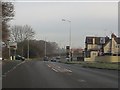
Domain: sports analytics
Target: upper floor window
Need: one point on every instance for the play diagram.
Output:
(117, 46)
(89, 40)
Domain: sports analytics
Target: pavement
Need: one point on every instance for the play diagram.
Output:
(46, 74)
(7, 65)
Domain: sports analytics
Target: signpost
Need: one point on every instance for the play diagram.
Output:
(12, 46)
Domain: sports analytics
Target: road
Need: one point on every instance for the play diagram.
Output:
(45, 74)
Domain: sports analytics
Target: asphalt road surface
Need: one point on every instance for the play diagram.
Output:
(45, 74)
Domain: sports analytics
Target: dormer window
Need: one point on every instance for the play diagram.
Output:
(90, 40)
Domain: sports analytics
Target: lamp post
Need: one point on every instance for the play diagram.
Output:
(45, 48)
(70, 53)
(28, 50)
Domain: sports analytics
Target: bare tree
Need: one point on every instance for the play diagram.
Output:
(7, 15)
(28, 32)
(21, 33)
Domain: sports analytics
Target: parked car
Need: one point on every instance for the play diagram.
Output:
(18, 57)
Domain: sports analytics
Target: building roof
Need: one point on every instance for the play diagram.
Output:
(89, 40)
(117, 39)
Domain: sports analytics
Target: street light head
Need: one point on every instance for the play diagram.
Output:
(66, 20)
(69, 21)
(63, 19)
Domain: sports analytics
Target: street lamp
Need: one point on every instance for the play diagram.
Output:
(69, 36)
(28, 50)
(45, 48)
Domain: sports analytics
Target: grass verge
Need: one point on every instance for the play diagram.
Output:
(111, 66)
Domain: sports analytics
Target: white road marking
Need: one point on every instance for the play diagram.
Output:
(57, 68)
(69, 71)
(48, 65)
(12, 69)
(54, 70)
(81, 80)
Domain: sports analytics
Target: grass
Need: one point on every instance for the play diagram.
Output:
(111, 66)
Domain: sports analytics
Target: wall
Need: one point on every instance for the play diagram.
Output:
(92, 46)
(93, 54)
(107, 48)
(114, 48)
(87, 59)
(107, 58)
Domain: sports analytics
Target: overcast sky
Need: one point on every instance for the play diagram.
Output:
(87, 19)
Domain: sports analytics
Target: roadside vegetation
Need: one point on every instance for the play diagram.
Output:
(111, 66)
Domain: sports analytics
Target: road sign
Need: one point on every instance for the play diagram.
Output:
(12, 45)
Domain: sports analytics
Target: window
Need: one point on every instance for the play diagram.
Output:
(89, 40)
(94, 54)
(118, 46)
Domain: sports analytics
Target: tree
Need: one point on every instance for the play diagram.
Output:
(21, 33)
(37, 48)
(7, 15)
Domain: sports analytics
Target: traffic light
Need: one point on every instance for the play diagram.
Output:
(67, 51)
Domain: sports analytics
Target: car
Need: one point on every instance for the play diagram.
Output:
(18, 57)
(53, 60)
(45, 58)
(67, 59)
(58, 57)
